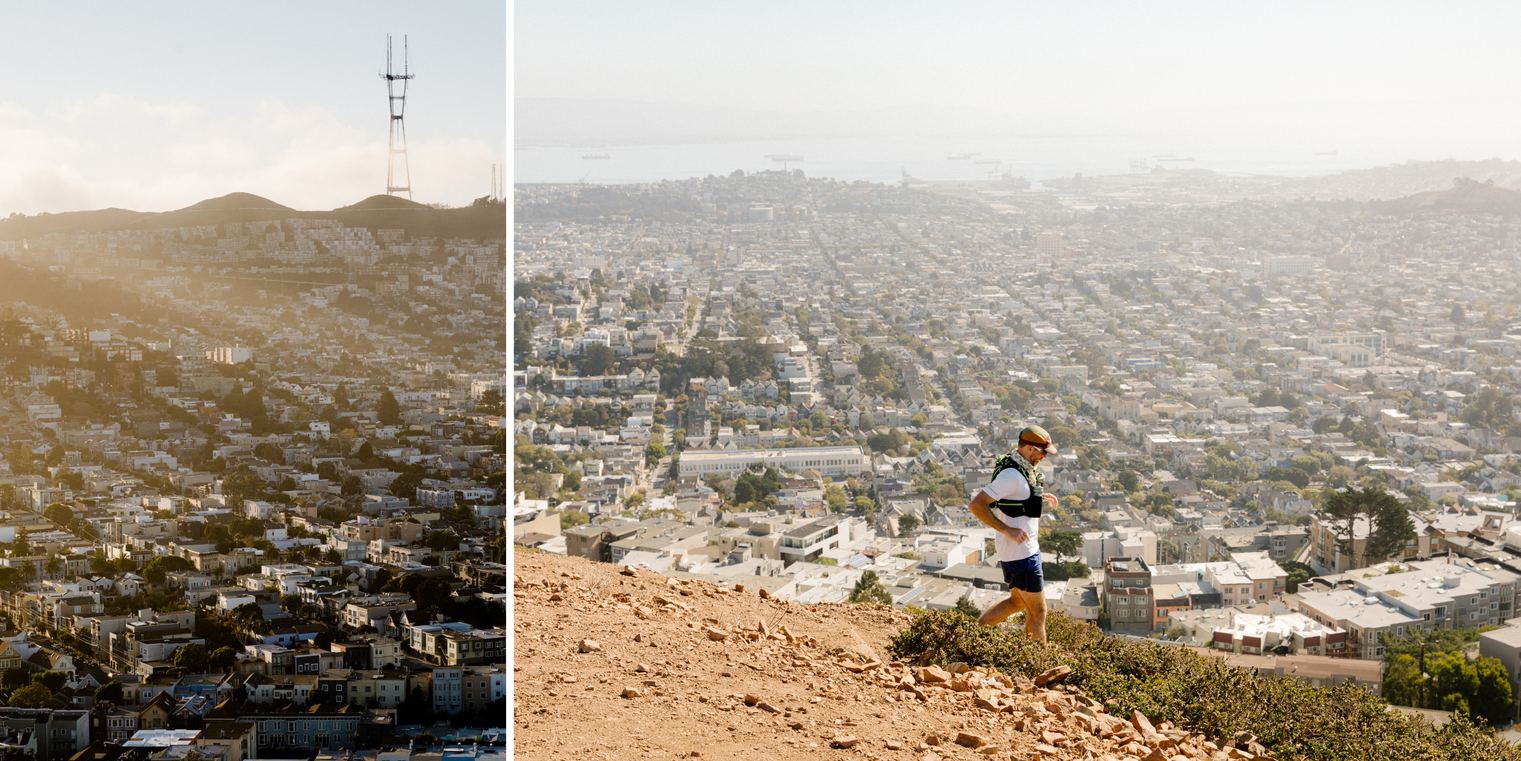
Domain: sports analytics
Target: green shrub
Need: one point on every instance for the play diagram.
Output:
(1203, 693)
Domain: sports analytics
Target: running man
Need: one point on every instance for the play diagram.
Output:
(1011, 504)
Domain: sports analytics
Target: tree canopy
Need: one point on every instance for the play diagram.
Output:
(1389, 524)
(33, 695)
(869, 589)
(192, 658)
(1061, 543)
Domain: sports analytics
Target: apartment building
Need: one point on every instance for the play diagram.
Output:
(1419, 596)
(836, 462)
(1505, 644)
(1128, 595)
(809, 541)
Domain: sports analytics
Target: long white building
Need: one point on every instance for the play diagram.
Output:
(835, 462)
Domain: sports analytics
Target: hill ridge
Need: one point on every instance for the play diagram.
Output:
(376, 212)
(1465, 195)
(235, 202)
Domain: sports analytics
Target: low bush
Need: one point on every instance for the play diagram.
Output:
(1203, 693)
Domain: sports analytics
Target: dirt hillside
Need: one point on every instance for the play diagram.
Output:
(620, 664)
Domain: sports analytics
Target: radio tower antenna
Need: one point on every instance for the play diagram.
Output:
(398, 182)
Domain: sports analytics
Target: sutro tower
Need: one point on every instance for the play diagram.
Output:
(398, 123)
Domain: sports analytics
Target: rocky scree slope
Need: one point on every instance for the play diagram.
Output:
(615, 663)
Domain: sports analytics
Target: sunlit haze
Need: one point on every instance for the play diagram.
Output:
(1393, 81)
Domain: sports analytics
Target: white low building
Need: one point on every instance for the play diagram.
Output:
(835, 462)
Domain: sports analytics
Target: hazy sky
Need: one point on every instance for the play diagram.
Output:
(154, 105)
(1441, 73)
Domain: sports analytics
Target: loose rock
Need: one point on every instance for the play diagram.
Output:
(970, 740)
(1052, 676)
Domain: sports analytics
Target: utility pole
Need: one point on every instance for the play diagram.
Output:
(398, 182)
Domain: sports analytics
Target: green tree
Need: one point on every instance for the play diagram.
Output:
(69, 479)
(965, 605)
(440, 541)
(155, 571)
(1298, 572)
(1064, 436)
(653, 453)
(491, 402)
(60, 514)
(1295, 476)
(222, 659)
(192, 658)
(834, 496)
(21, 457)
(53, 680)
(866, 506)
(869, 589)
(1061, 543)
(387, 410)
(242, 484)
(598, 360)
(1493, 697)
(405, 485)
(1068, 569)
(907, 524)
(316, 696)
(416, 708)
(250, 613)
(110, 692)
(573, 518)
(352, 486)
(1389, 521)
(31, 696)
(1129, 481)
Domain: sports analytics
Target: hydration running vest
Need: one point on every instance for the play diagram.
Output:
(1020, 508)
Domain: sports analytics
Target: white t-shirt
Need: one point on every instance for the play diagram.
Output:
(1011, 484)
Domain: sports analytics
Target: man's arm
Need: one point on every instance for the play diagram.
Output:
(982, 508)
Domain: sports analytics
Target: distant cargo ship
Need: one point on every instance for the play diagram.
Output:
(1175, 158)
(780, 157)
(594, 155)
(962, 157)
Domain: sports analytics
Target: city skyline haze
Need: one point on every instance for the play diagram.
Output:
(1419, 82)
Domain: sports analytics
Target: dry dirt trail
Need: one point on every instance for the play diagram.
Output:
(620, 664)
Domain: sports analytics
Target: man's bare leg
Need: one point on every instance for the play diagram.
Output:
(1032, 603)
(1035, 614)
(998, 611)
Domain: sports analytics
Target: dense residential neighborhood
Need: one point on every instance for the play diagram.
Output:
(252, 489)
(1285, 427)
